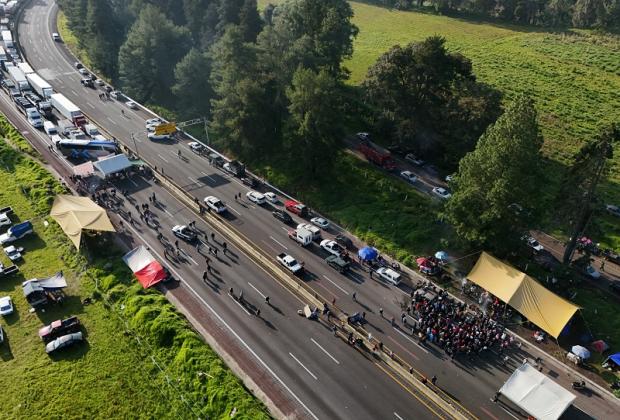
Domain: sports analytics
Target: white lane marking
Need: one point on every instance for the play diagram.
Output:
(240, 305)
(74, 92)
(285, 229)
(302, 365)
(409, 338)
(508, 412)
(234, 210)
(233, 332)
(257, 291)
(195, 181)
(238, 182)
(169, 214)
(112, 121)
(279, 243)
(162, 158)
(133, 182)
(397, 416)
(90, 105)
(325, 351)
(329, 280)
(189, 256)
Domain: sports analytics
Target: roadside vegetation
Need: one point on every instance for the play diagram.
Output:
(111, 374)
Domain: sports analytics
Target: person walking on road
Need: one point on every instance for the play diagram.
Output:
(225, 247)
(176, 244)
(267, 300)
(381, 312)
(213, 236)
(258, 313)
(434, 380)
(354, 297)
(204, 276)
(208, 266)
(602, 264)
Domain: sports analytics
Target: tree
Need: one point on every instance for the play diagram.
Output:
(503, 170)
(578, 192)
(250, 21)
(103, 36)
(315, 127)
(192, 87)
(147, 59)
(314, 34)
(242, 116)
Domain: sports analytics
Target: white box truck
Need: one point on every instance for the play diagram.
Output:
(40, 86)
(68, 109)
(19, 78)
(7, 38)
(25, 67)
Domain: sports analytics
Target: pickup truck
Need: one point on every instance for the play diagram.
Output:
(300, 235)
(5, 220)
(16, 232)
(7, 271)
(58, 328)
(290, 263)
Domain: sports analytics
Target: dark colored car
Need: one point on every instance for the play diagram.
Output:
(337, 263)
(250, 181)
(282, 216)
(58, 328)
(344, 242)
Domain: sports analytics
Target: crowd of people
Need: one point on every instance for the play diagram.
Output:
(455, 328)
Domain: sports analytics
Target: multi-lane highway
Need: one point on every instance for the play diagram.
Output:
(323, 376)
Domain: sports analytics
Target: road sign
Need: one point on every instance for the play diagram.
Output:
(165, 128)
(190, 122)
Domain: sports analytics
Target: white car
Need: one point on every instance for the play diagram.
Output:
(592, 273)
(152, 122)
(255, 197)
(320, 222)
(116, 94)
(13, 253)
(215, 204)
(6, 305)
(389, 275)
(442, 193)
(131, 105)
(271, 197)
(153, 136)
(83, 72)
(409, 176)
(363, 136)
(184, 232)
(332, 247)
(533, 243)
(449, 178)
(410, 157)
(56, 36)
(196, 147)
(99, 82)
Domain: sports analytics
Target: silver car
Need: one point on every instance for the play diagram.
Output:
(64, 341)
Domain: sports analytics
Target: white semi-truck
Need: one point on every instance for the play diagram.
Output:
(19, 78)
(25, 67)
(68, 109)
(7, 38)
(40, 85)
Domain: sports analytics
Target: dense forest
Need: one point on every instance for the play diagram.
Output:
(602, 14)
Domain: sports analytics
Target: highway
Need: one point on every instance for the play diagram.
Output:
(325, 376)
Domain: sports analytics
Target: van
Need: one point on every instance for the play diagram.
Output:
(50, 128)
(389, 275)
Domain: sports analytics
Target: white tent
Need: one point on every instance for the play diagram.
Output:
(535, 393)
(111, 165)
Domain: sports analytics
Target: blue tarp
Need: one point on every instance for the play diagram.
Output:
(368, 253)
(615, 358)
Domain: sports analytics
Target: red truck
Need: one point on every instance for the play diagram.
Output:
(297, 208)
(377, 155)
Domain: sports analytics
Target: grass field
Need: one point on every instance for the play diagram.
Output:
(111, 374)
(573, 76)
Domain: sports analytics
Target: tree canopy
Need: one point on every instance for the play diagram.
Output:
(496, 191)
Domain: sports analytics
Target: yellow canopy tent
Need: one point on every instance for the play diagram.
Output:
(74, 214)
(544, 308)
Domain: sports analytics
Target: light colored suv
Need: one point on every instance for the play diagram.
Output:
(389, 275)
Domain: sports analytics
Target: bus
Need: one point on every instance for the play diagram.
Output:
(86, 149)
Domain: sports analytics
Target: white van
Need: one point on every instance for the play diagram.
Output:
(389, 275)
(91, 130)
(50, 128)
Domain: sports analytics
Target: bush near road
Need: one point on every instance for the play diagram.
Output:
(110, 375)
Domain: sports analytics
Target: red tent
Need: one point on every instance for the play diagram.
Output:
(147, 269)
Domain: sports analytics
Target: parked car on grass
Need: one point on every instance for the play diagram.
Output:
(6, 306)
(58, 328)
(63, 341)
(14, 253)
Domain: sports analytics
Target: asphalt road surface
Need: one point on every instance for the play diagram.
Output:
(300, 352)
